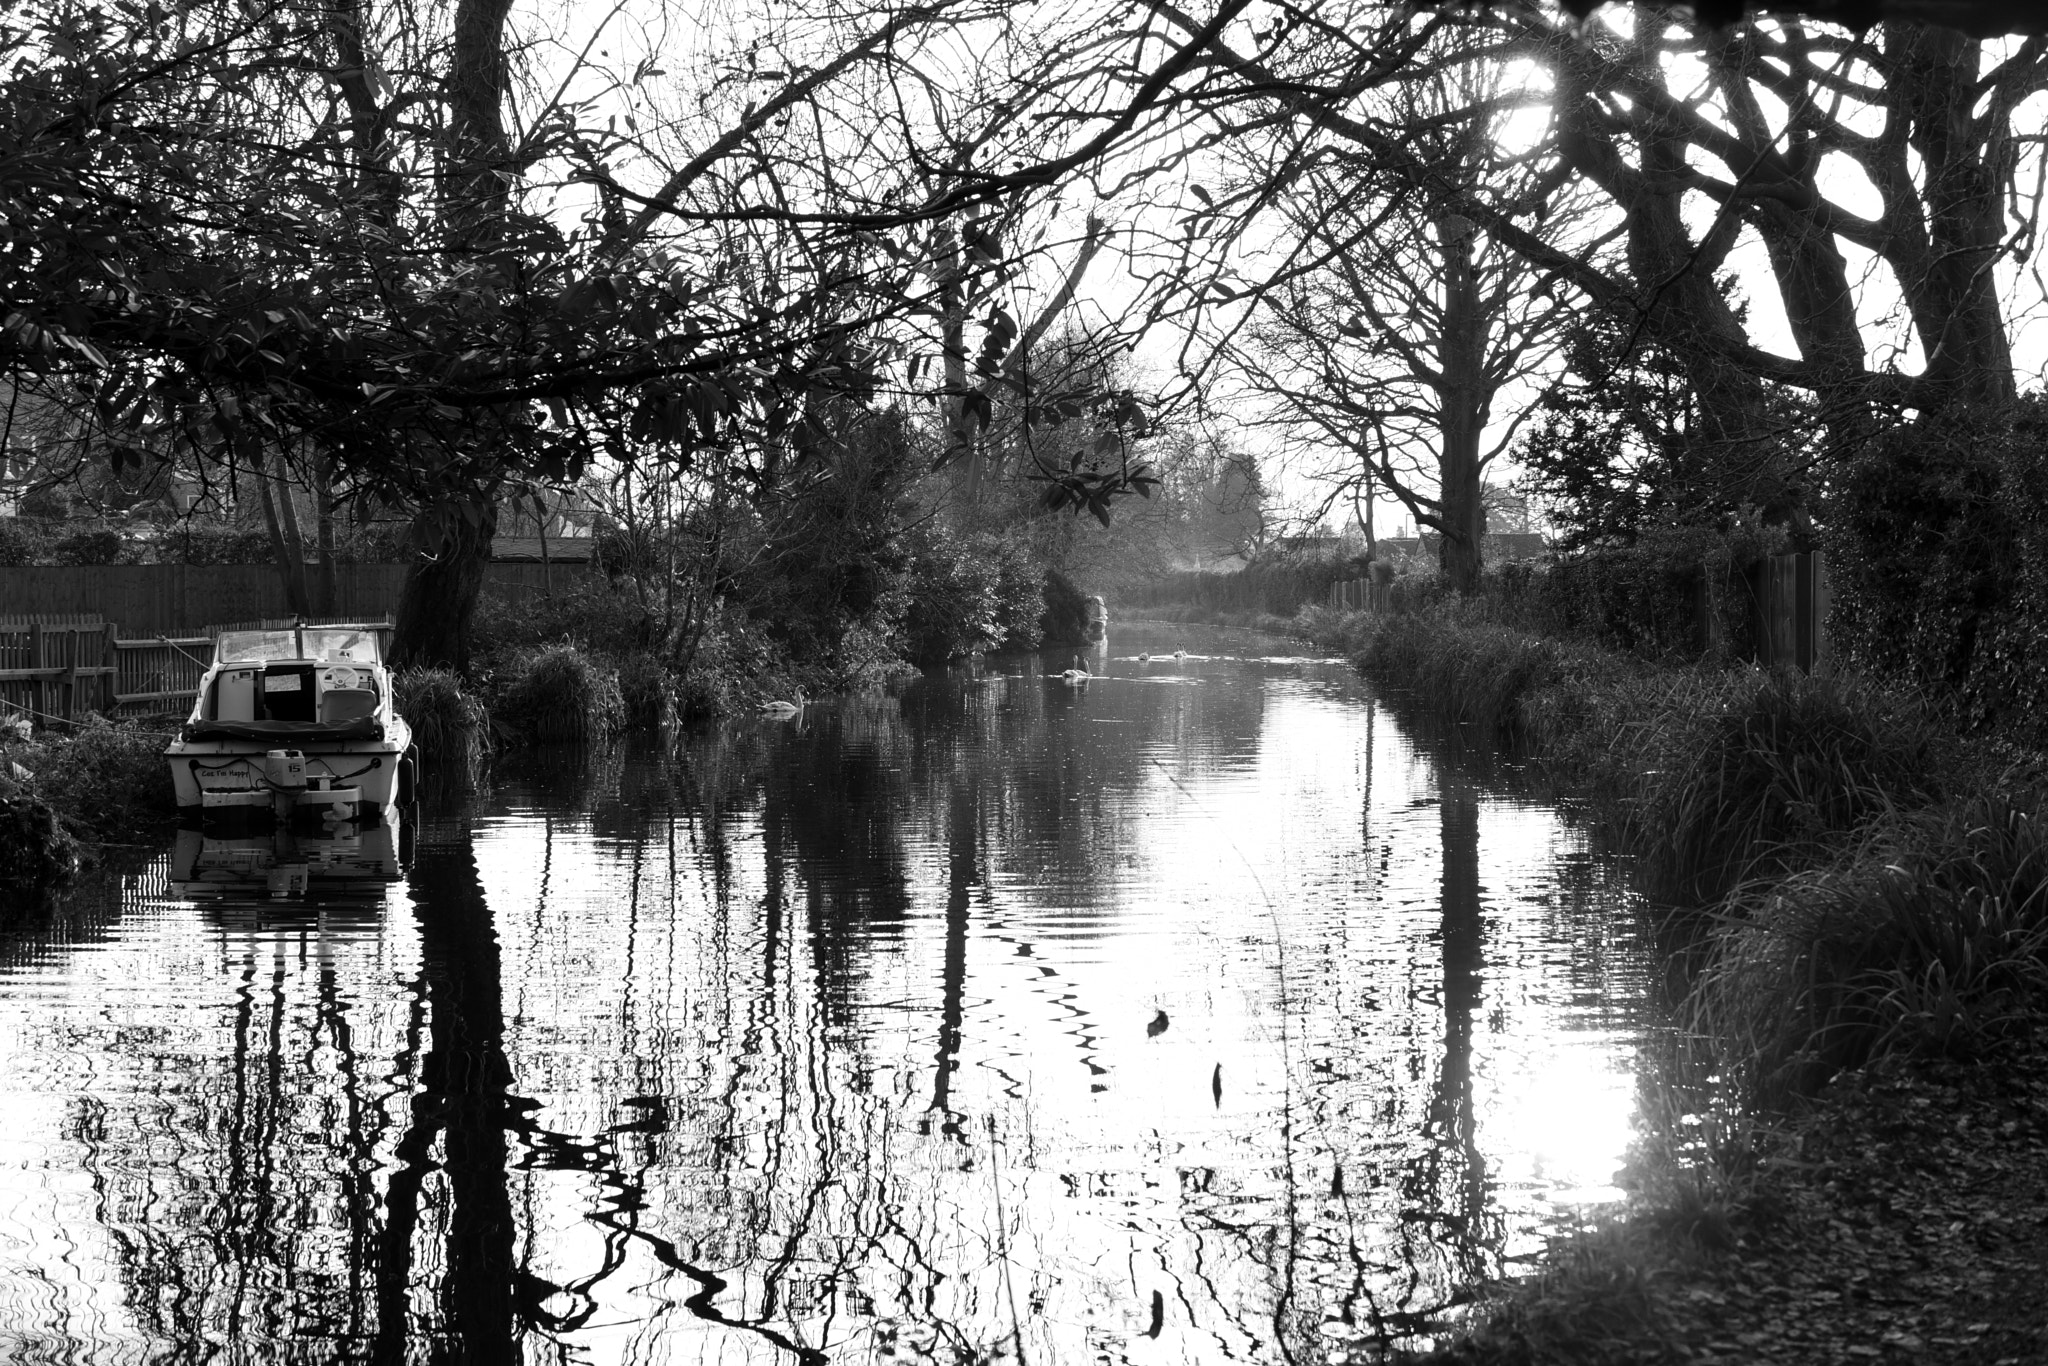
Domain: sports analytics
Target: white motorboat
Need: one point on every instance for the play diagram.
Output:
(298, 721)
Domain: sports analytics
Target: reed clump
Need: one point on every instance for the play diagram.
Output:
(451, 727)
(1472, 670)
(1929, 939)
(1712, 776)
(559, 693)
(1747, 774)
(648, 692)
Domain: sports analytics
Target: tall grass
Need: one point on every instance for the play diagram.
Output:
(562, 694)
(1929, 937)
(450, 725)
(1712, 776)
(648, 692)
(1764, 773)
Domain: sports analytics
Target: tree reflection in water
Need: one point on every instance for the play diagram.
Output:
(830, 1039)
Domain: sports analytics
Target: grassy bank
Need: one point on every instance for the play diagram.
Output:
(1861, 918)
(63, 793)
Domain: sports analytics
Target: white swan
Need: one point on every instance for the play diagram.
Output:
(1179, 652)
(1078, 674)
(781, 708)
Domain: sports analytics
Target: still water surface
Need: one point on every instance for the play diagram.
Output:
(1197, 1013)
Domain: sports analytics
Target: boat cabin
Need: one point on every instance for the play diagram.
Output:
(300, 676)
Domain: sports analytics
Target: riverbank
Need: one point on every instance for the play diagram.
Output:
(1841, 1153)
(62, 796)
(1904, 1219)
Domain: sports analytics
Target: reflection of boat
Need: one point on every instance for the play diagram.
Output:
(349, 861)
(290, 721)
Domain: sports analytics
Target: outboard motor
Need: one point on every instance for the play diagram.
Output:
(285, 771)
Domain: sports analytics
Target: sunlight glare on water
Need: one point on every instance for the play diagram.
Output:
(1197, 1011)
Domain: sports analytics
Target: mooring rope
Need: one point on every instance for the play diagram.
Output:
(24, 707)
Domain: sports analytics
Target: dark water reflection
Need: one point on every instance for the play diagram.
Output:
(1193, 1014)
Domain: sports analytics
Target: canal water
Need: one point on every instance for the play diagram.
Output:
(1195, 1012)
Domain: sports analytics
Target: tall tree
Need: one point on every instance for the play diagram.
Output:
(356, 251)
(1697, 142)
(1400, 323)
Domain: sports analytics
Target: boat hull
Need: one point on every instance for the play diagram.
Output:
(349, 780)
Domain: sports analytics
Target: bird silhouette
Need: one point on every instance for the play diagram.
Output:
(1216, 1085)
(1157, 1027)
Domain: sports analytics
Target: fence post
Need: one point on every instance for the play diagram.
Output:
(110, 659)
(72, 642)
(35, 661)
(1822, 600)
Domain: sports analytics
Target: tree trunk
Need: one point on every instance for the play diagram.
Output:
(1681, 309)
(451, 544)
(451, 537)
(287, 551)
(323, 526)
(952, 271)
(1463, 401)
(1951, 288)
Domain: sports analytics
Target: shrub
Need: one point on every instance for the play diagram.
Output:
(22, 541)
(372, 543)
(1710, 775)
(587, 610)
(560, 693)
(1473, 671)
(1645, 598)
(36, 852)
(1939, 564)
(967, 593)
(108, 780)
(98, 545)
(202, 544)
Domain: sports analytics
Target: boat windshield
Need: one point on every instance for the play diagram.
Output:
(242, 647)
(323, 644)
(341, 645)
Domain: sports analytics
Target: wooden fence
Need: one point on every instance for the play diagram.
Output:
(1349, 595)
(149, 600)
(58, 668)
(1792, 599)
(1788, 607)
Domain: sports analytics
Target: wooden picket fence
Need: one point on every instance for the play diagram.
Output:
(59, 668)
(1349, 595)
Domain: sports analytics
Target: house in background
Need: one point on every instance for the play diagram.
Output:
(566, 534)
